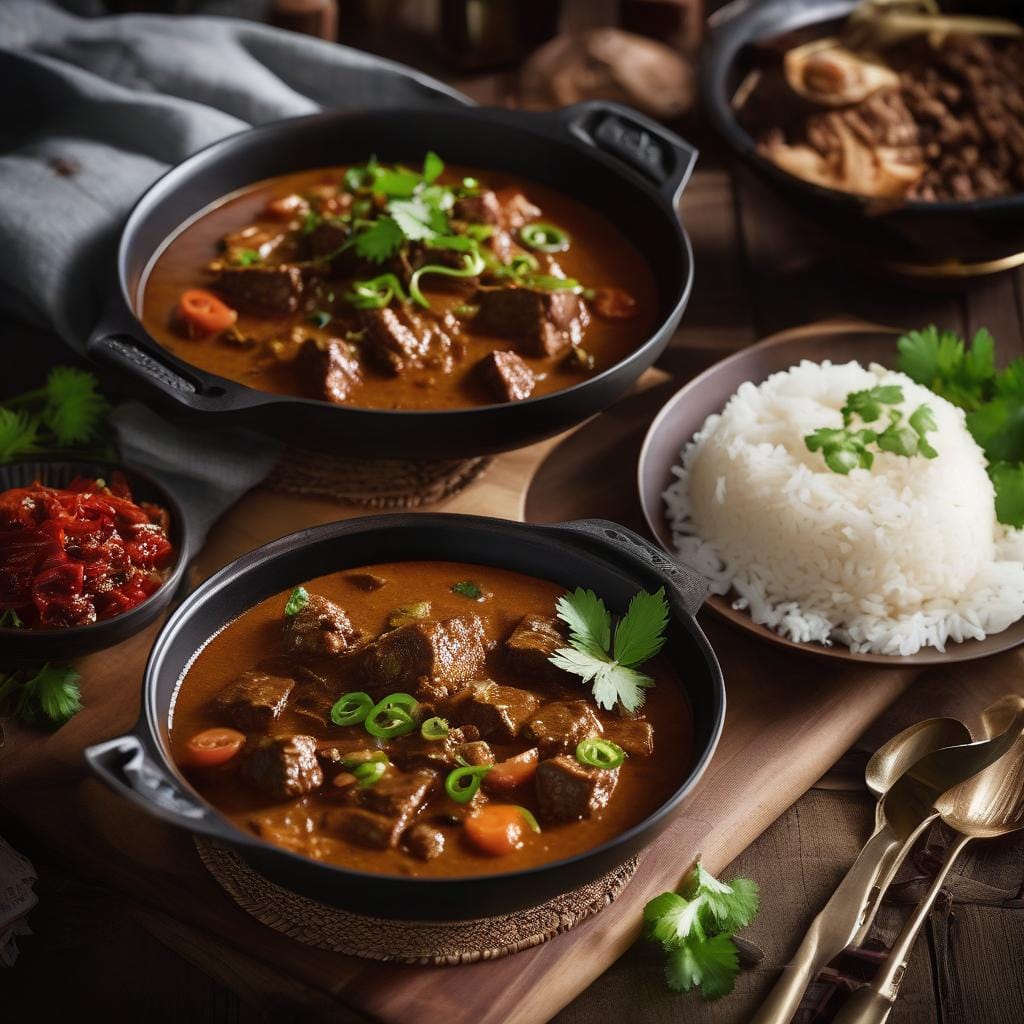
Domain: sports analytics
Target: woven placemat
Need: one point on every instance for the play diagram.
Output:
(374, 483)
(436, 943)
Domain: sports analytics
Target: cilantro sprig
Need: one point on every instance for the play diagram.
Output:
(49, 698)
(696, 928)
(844, 448)
(67, 412)
(612, 668)
(993, 399)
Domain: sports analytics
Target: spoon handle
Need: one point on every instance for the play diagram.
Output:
(830, 932)
(873, 1003)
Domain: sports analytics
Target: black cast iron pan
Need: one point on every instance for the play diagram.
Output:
(606, 155)
(603, 556)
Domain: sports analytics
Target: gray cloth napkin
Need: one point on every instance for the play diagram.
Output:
(97, 109)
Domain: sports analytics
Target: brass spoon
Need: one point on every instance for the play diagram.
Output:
(829, 932)
(990, 804)
(907, 809)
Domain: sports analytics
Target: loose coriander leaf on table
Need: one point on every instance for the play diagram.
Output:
(19, 434)
(712, 965)
(732, 905)
(1008, 480)
(74, 409)
(49, 698)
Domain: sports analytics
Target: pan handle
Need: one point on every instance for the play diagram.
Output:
(120, 352)
(125, 766)
(654, 152)
(690, 587)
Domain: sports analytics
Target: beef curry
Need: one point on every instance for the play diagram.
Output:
(405, 718)
(391, 288)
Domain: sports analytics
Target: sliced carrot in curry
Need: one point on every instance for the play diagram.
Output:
(205, 312)
(496, 829)
(507, 775)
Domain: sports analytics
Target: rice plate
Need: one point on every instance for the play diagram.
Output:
(889, 560)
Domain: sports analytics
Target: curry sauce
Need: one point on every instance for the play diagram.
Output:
(386, 611)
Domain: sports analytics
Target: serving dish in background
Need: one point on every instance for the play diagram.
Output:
(683, 415)
(915, 237)
(623, 164)
(72, 641)
(594, 554)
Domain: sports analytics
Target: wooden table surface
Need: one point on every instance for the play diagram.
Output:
(757, 272)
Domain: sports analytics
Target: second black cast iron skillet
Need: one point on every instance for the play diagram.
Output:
(602, 556)
(610, 157)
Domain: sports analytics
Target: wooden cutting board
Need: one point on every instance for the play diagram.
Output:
(789, 719)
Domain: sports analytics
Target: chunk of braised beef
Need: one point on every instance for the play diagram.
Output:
(321, 627)
(255, 238)
(562, 724)
(431, 659)
(332, 757)
(365, 580)
(292, 827)
(398, 340)
(569, 791)
(327, 370)
(476, 753)
(497, 711)
(634, 735)
(313, 699)
(413, 751)
(365, 828)
(481, 208)
(326, 240)
(254, 700)
(398, 794)
(506, 376)
(284, 766)
(532, 642)
(545, 323)
(264, 289)
(515, 209)
(424, 842)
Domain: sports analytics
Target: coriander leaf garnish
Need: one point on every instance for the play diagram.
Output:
(297, 600)
(379, 242)
(1008, 480)
(246, 257)
(467, 588)
(695, 928)
(638, 637)
(49, 698)
(433, 167)
(868, 404)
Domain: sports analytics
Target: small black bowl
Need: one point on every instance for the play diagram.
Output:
(602, 556)
(48, 644)
(916, 237)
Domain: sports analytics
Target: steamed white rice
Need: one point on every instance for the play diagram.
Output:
(902, 556)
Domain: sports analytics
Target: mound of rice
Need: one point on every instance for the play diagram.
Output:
(905, 555)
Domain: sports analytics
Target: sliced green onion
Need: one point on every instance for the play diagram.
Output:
(470, 183)
(368, 773)
(598, 753)
(472, 265)
(392, 716)
(463, 783)
(479, 232)
(377, 292)
(246, 257)
(352, 708)
(519, 266)
(359, 179)
(297, 600)
(310, 222)
(550, 283)
(544, 237)
(529, 818)
(434, 728)
(354, 760)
